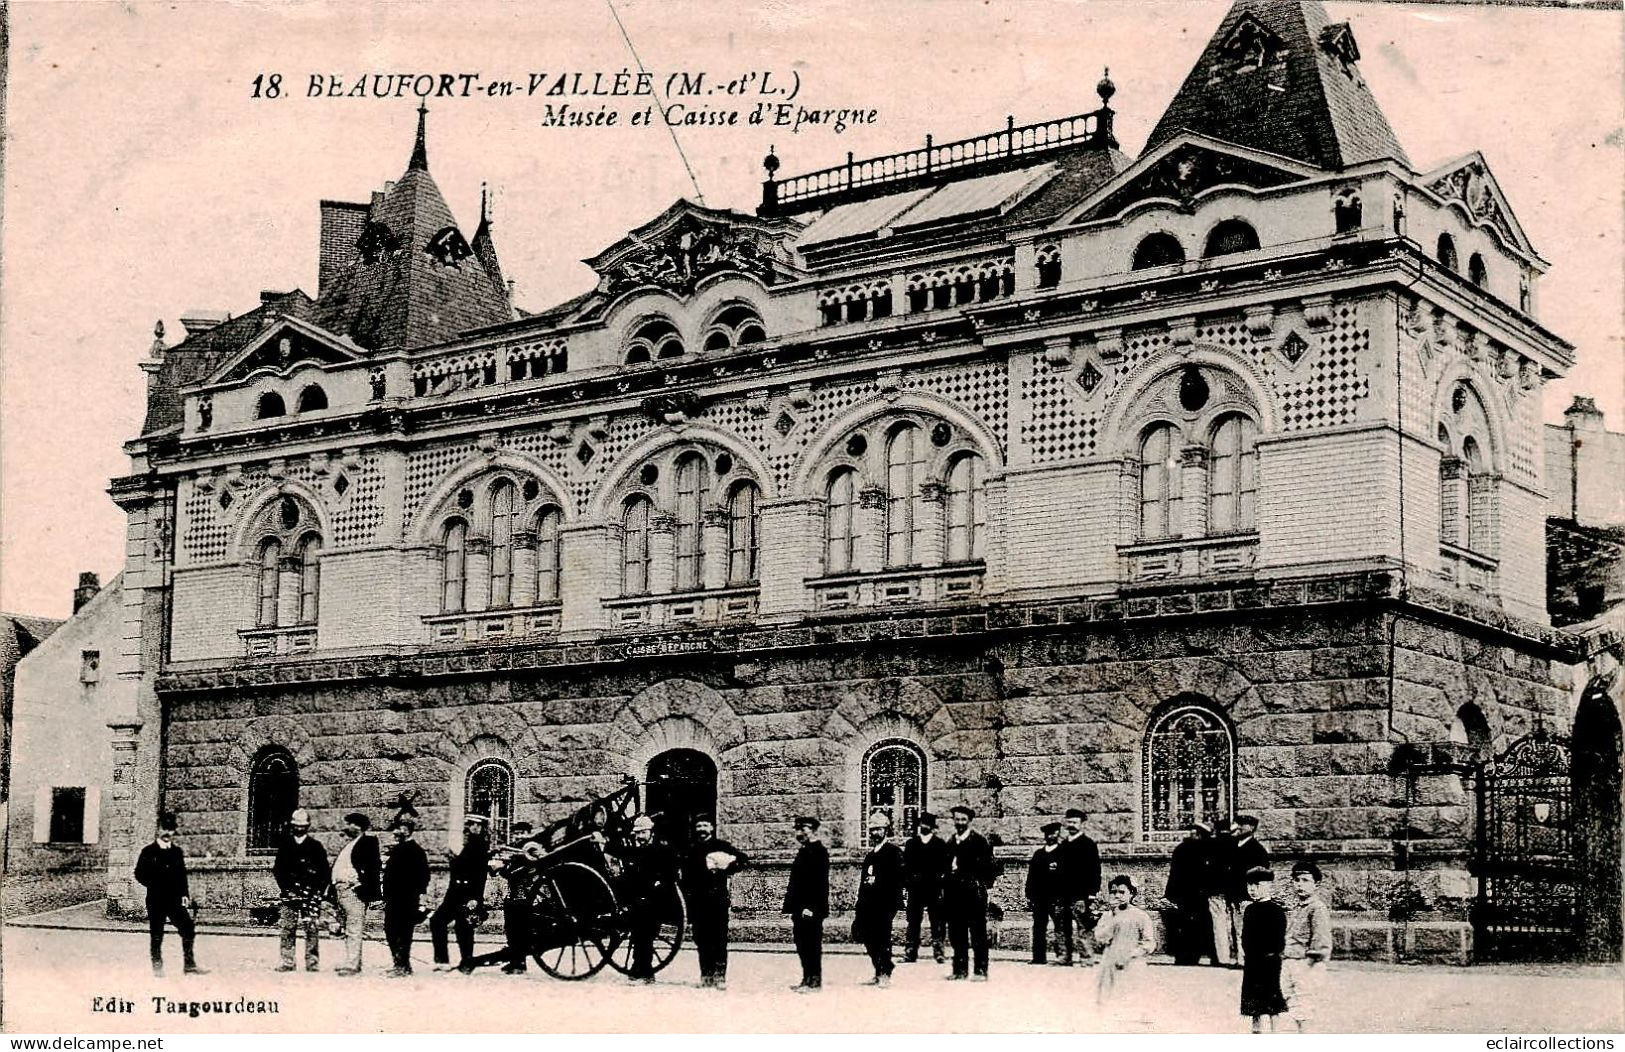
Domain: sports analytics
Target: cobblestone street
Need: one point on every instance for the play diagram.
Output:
(52, 977)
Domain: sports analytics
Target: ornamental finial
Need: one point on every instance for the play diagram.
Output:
(771, 162)
(1106, 89)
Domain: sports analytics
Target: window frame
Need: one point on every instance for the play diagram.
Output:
(1224, 782)
(497, 825)
(454, 566)
(1239, 498)
(255, 804)
(903, 510)
(965, 509)
(503, 521)
(310, 578)
(910, 810)
(744, 533)
(1170, 500)
(841, 522)
(268, 568)
(636, 505)
(549, 554)
(691, 485)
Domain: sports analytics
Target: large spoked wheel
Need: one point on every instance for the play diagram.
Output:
(668, 938)
(572, 933)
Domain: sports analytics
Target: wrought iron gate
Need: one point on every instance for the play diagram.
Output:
(1528, 873)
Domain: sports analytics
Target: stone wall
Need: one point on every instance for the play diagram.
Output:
(1021, 713)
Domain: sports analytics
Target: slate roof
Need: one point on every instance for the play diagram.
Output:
(1326, 115)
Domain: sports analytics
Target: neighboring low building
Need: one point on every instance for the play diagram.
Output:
(1585, 515)
(19, 635)
(62, 759)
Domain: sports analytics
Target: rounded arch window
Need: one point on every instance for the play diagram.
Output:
(454, 566)
(273, 793)
(894, 781)
(680, 785)
(1231, 236)
(1158, 250)
(270, 405)
(310, 577)
(1445, 252)
(1233, 476)
(1189, 769)
(268, 560)
(1477, 272)
(905, 471)
(966, 500)
(656, 338)
(549, 555)
(840, 521)
(503, 514)
(312, 398)
(744, 532)
(736, 325)
(1159, 482)
(635, 546)
(691, 483)
(488, 791)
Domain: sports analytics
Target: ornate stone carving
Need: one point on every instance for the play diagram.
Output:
(692, 249)
(1470, 184)
(673, 408)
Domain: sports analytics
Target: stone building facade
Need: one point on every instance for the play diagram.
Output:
(1016, 472)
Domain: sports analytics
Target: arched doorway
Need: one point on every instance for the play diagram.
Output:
(680, 784)
(1595, 769)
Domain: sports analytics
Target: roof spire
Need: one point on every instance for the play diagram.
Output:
(420, 150)
(484, 214)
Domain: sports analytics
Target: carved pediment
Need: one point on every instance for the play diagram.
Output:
(688, 244)
(282, 346)
(1185, 172)
(1470, 184)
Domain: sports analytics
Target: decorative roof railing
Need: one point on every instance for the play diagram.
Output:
(894, 173)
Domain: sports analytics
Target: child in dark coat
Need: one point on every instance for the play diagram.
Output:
(1263, 937)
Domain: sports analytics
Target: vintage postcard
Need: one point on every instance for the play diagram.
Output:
(919, 517)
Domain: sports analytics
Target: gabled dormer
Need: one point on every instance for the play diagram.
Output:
(1467, 185)
(284, 345)
(688, 243)
(1185, 168)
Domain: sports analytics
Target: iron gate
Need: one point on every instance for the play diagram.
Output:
(1528, 873)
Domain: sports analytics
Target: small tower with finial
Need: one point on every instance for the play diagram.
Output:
(1103, 117)
(770, 186)
(420, 149)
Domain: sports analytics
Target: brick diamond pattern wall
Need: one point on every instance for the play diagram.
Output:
(358, 522)
(1335, 384)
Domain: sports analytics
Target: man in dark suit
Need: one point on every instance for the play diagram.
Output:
(880, 892)
(1080, 883)
(806, 900)
(355, 878)
(1221, 854)
(1189, 933)
(405, 889)
(465, 896)
(970, 875)
(707, 866)
(161, 869)
(1044, 889)
(520, 871)
(648, 876)
(301, 873)
(1247, 855)
(925, 867)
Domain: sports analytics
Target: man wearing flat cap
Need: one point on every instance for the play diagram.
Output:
(1190, 931)
(880, 892)
(465, 896)
(806, 901)
(355, 877)
(301, 874)
(1044, 889)
(970, 875)
(925, 867)
(707, 865)
(405, 890)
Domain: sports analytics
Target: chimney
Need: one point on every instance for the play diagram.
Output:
(89, 585)
(196, 321)
(270, 296)
(1583, 415)
(342, 226)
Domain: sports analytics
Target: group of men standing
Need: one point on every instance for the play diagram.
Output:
(1207, 885)
(1063, 879)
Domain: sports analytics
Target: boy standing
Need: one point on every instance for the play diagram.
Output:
(1308, 947)
(1125, 936)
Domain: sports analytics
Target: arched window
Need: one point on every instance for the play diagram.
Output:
(635, 547)
(454, 570)
(657, 338)
(1232, 235)
(312, 398)
(549, 555)
(310, 578)
(1159, 483)
(967, 509)
(270, 556)
(736, 326)
(905, 470)
(1158, 250)
(680, 786)
(1189, 771)
(1446, 253)
(270, 404)
(1049, 267)
(1471, 732)
(273, 793)
(488, 791)
(744, 525)
(1233, 476)
(1477, 272)
(688, 540)
(894, 781)
(840, 522)
(502, 529)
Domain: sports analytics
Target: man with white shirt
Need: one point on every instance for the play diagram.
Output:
(356, 886)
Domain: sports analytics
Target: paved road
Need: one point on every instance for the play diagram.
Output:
(51, 977)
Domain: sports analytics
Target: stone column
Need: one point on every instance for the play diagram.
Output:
(123, 824)
(662, 553)
(932, 539)
(477, 565)
(287, 590)
(869, 551)
(1193, 492)
(523, 587)
(714, 535)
